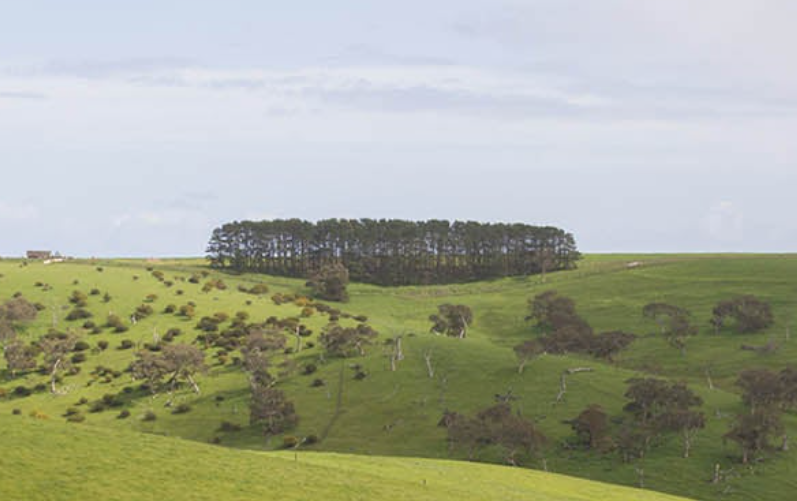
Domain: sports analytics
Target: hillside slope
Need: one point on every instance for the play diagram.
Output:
(396, 413)
(54, 461)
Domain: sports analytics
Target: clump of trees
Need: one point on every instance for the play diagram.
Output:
(330, 281)
(658, 406)
(497, 426)
(749, 313)
(565, 331)
(767, 394)
(592, 428)
(171, 366)
(269, 407)
(342, 341)
(453, 320)
(393, 252)
(56, 349)
(674, 323)
(14, 314)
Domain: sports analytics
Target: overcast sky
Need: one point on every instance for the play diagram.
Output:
(135, 128)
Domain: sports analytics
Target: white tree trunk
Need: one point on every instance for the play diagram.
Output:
(427, 356)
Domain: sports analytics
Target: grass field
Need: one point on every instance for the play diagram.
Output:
(56, 461)
(395, 413)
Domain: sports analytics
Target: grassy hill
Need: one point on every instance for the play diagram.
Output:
(48, 461)
(396, 413)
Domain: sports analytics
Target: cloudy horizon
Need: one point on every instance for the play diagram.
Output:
(659, 126)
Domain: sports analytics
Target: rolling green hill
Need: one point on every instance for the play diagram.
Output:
(396, 413)
(44, 461)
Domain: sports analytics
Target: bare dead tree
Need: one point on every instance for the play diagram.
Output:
(427, 356)
(709, 380)
(641, 477)
(396, 354)
(563, 380)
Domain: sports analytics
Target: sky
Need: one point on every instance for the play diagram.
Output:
(135, 128)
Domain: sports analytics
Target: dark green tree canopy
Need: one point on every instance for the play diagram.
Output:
(452, 320)
(393, 252)
(750, 314)
(330, 281)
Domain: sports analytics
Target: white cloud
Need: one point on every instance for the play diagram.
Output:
(160, 218)
(724, 222)
(18, 212)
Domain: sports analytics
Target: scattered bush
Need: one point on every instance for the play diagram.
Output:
(78, 314)
(126, 344)
(311, 440)
(71, 411)
(309, 369)
(143, 311)
(78, 358)
(171, 308)
(149, 416)
(22, 391)
(124, 414)
(102, 345)
(171, 334)
(187, 311)
(182, 409)
(228, 427)
(79, 299)
(81, 346)
(151, 298)
(16, 412)
(76, 418)
(290, 442)
(258, 289)
(317, 383)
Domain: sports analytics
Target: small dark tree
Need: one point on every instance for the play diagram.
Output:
(19, 357)
(57, 350)
(346, 341)
(259, 346)
(174, 364)
(496, 426)
(660, 407)
(750, 313)
(330, 282)
(552, 311)
(608, 344)
(673, 321)
(592, 427)
(17, 311)
(687, 421)
(151, 368)
(452, 320)
(270, 408)
(527, 351)
(752, 431)
(184, 362)
(761, 388)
